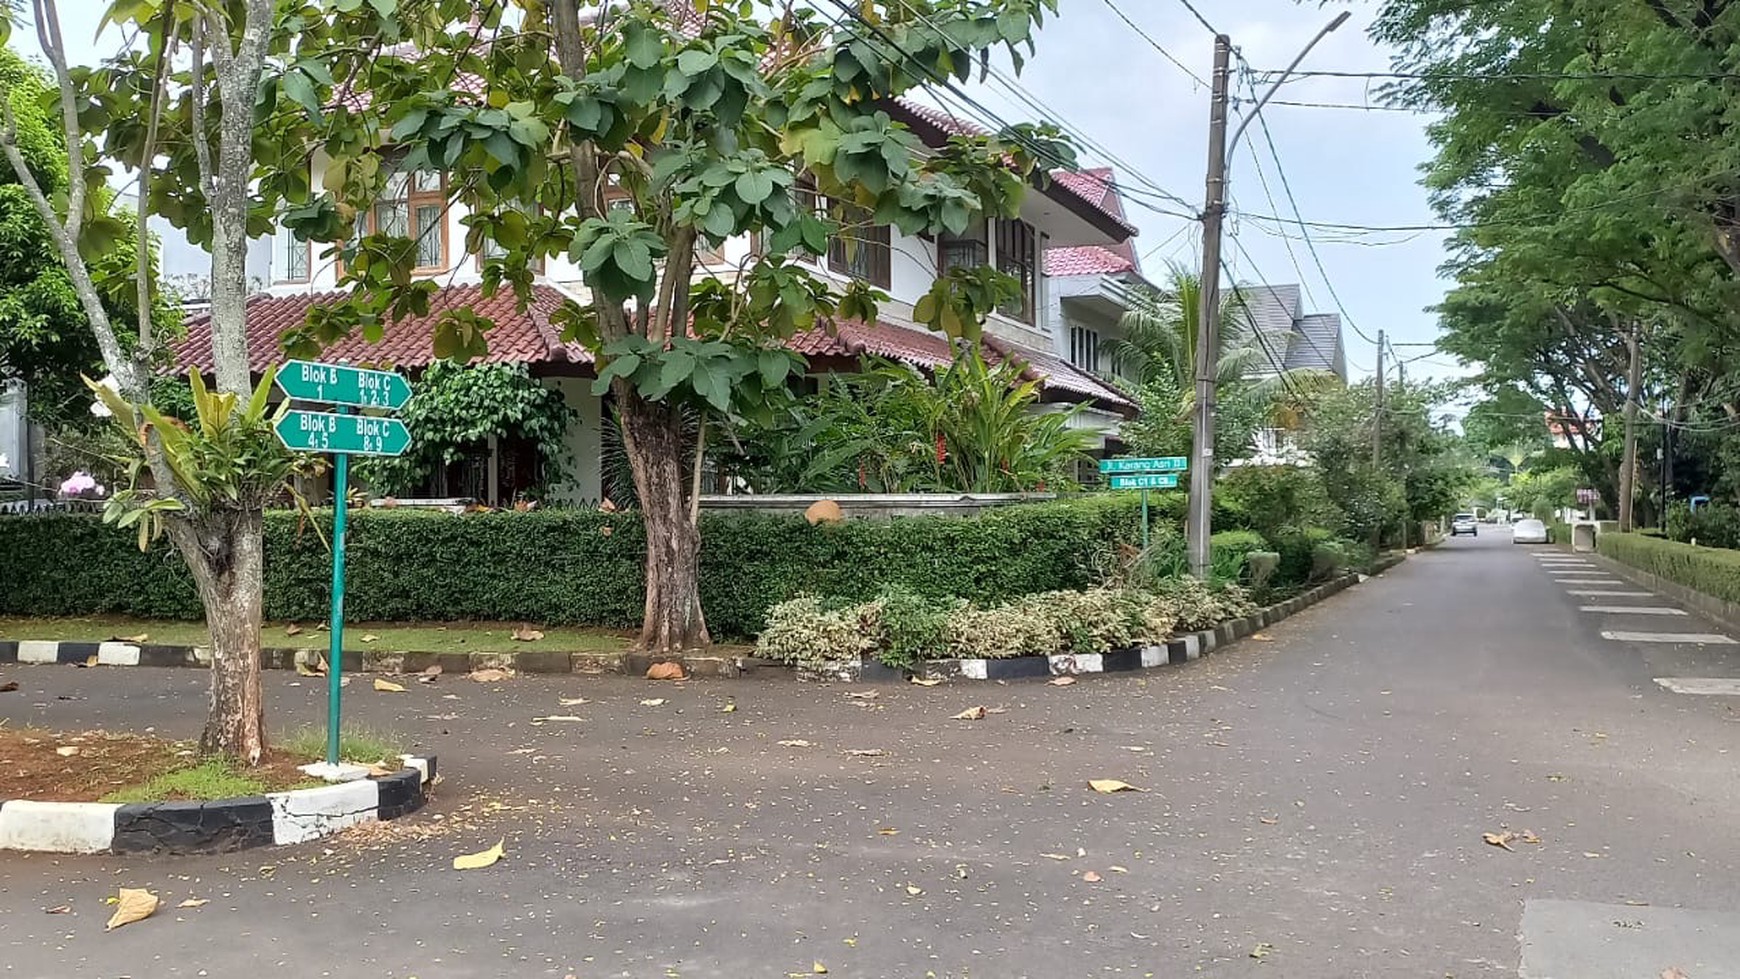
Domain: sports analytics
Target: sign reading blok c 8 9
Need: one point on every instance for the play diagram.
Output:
(363, 435)
(337, 384)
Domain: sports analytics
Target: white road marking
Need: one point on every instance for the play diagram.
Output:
(1585, 593)
(1690, 638)
(1631, 610)
(1710, 686)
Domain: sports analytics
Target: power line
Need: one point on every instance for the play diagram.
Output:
(1144, 35)
(1496, 76)
(1309, 342)
(1199, 18)
(1293, 202)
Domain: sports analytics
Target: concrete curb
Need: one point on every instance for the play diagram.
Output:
(1177, 650)
(115, 653)
(219, 825)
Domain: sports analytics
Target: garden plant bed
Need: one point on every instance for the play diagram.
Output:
(110, 767)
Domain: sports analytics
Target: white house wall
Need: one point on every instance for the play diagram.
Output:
(584, 441)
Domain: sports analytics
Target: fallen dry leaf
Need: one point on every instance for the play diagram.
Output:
(292, 629)
(90, 660)
(666, 671)
(433, 671)
(1260, 637)
(1501, 840)
(795, 743)
(819, 969)
(1055, 856)
(480, 859)
(1269, 820)
(1528, 836)
(1673, 972)
(388, 686)
(914, 890)
(132, 904)
(862, 694)
(729, 708)
(1062, 681)
(865, 752)
(526, 633)
(653, 702)
(8, 686)
(888, 831)
(573, 701)
(61, 909)
(1262, 951)
(1091, 877)
(1110, 785)
(303, 669)
(557, 717)
(970, 714)
(141, 637)
(491, 674)
(927, 681)
(1114, 868)
(194, 902)
(68, 751)
(369, 637)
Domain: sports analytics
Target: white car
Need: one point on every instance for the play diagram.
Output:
(1464, 523)
(1528, 531)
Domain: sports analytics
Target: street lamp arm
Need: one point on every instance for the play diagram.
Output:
(1232, 144)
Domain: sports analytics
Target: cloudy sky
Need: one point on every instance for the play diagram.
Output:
(1345, 166)
(1149, 118)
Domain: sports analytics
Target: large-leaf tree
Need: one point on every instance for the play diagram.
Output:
(638, 138)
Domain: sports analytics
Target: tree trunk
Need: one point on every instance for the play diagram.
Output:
(654, 440)
(225, 550)
(1628, 467)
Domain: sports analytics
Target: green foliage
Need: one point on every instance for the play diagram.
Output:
(1712, 525)
(456, 409)
(1164, 426)
(1268, 499)
(579, 567)
(972, 428)
(1542, 493)
(1713, 571)
(211, 778)
(356, 744)
(1228, 549)
(913, 627)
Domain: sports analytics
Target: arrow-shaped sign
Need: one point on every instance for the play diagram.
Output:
(363, 435)
(336, 384)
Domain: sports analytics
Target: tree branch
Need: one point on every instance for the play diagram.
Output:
(201, 145)
(49, 37)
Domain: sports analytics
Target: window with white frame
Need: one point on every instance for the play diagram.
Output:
(1084, 348)
(294, 253)
(413, 205)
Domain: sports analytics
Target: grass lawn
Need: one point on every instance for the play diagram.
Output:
(420, 637)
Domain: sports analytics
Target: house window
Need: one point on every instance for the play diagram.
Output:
(1084, 348)
(412, 206)
(969, 250)
(295, 252)
(861, 249)
(1018, 257)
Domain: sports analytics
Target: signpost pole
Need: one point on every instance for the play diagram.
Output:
(1144, 520)
(335, 667)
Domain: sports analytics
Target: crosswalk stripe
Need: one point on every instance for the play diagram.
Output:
(1709, 686)
(1596, 593)
(1631, 610)
(1697, 638)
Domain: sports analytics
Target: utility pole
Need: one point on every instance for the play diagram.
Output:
(1377, 440)
(1198, 526)
(1628, 468)
(1198, 522)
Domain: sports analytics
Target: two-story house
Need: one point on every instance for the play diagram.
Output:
(1062, 213)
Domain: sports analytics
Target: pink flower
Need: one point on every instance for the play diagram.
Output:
(80, 482)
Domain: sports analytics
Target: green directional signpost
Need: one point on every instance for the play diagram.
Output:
(1144, 475)
(342, 434)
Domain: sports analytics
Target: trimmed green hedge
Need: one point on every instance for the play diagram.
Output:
(1713, 571)
(573, 566)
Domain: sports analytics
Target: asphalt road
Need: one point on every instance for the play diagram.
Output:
(1315, 807)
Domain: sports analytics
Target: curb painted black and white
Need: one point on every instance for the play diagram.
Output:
(217, 826)
(1175, 651)
(119, 653)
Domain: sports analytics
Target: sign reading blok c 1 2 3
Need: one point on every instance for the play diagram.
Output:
(337, 384)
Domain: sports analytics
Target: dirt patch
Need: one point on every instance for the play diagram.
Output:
(49, 766)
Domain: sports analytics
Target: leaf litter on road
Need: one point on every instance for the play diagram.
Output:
(388, 686)
(970, 714)
(1061, 681)
(927, 681)
(480, 859)
(1107, 786)
(491, 674)
(132, 904)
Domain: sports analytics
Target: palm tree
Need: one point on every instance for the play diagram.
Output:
(1159, 343)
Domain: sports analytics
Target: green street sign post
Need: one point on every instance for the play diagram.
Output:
(1146, 482)
(336, 384)
(1144, 475)
(1164, 464)
(341, 434)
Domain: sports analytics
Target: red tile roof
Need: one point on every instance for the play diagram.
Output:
(922, 348)
(518, 337)
(1086, 260)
